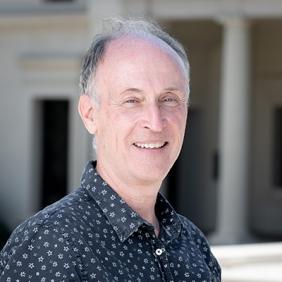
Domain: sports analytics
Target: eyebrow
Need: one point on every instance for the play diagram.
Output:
(172, 89)
(132, 89)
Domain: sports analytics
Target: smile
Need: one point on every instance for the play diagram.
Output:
(157, 145)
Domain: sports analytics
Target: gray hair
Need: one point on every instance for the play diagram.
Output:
(118, 28)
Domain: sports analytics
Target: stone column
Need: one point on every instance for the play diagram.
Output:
(234, 133)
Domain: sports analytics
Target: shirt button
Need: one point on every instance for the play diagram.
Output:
(159, 251)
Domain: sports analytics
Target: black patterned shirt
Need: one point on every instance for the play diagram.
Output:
(93, 235)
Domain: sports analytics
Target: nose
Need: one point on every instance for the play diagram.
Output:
(154, 118)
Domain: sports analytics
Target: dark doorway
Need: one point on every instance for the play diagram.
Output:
(277, 148)
(187, 186)
(54, 150)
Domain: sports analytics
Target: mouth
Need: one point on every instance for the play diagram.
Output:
(156, 145)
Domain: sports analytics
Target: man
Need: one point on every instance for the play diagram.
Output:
(116, 226)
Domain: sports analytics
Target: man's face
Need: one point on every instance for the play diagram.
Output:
(141, 117)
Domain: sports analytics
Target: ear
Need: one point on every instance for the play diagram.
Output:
(86, 109)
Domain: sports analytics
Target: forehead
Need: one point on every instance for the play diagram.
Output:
(135, 48)
(133, 60)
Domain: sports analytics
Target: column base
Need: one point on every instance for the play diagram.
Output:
(224, 238)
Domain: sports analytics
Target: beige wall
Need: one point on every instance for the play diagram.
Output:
(40, 58)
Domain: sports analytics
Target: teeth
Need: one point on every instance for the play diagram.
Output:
(150, 145)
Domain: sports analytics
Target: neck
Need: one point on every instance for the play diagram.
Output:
(141, 198)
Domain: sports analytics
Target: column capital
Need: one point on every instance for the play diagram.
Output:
(238, 20)
(235, 21)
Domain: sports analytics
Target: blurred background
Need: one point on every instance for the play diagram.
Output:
(228, 179)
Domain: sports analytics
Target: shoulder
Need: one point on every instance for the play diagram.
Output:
(192, 230)
(49, 226)
(46, 242)
(50, 215)
(196, 237)
(41, 253)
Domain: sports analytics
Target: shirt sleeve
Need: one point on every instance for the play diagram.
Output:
(47, 255)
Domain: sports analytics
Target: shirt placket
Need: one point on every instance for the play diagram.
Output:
(160, 254)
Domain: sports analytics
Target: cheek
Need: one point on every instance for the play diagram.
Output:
(119, 128)
(105, 130)
(178, 121)
(125, 121)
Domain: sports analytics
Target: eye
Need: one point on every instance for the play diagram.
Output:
(131, 102)
(170, 100)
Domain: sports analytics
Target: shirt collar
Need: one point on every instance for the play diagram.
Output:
(168, 218)
(126, 221)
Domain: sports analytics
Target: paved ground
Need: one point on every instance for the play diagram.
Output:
(250, 263)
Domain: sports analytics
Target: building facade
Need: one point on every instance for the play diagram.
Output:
(228, 179)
